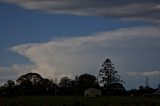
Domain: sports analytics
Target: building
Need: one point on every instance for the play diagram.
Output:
(156, 93)
(92, 92)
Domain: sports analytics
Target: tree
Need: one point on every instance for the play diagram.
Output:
(32, 78)
(30, 83)
(34, 84)
(107, 74)
(65, 85)
(65, 82)
(9, 88)
(87, 81)
(9, 84)
(48, 87)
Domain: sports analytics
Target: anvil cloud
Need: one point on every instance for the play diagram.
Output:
(129, 48)
(134, 51)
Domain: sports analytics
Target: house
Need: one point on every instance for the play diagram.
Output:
(92, 92)
(156, 93)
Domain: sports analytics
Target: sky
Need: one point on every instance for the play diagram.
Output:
(58, 38)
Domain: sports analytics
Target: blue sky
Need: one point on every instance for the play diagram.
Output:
(20, 26)
(27, 29)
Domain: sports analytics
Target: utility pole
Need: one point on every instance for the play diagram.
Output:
(55, 89)
(146, 82)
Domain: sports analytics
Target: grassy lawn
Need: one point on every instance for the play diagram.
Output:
(79, 101)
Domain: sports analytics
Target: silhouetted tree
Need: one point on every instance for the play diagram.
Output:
(48, 87)
(141, 91)
(34, 84)
(116, 86)
(145, 90)
(116, 89)
(74, 86)
(87, 81)
(65, 82)
(9, 84)
(108, 74)
(33, 78)
(65, 85)
(9, 88)
(29, 83)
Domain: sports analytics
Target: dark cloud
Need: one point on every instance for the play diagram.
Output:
(146, 10)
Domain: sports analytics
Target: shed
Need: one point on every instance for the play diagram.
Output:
(92, 92)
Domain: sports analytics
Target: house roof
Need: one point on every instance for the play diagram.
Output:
(92, 89)
(157, 92)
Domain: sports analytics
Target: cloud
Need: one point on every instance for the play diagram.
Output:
(129, 48)
(13, 72)
(5, 74)
(146, 10)
(151, 73)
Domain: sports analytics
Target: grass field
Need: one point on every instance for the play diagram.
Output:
(79, 101)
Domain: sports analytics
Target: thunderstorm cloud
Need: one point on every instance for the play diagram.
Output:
(130, 49)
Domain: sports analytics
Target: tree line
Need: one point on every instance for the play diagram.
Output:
(107, 80)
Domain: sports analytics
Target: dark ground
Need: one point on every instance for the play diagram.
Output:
(79, 101)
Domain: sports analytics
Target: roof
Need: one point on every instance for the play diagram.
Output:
(92, 89)
(157, 92)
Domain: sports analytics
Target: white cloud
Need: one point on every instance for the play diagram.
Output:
(15, 69)
(13, 72)
(130, 49)
(146, 10)
(79, 55)
(150, 73)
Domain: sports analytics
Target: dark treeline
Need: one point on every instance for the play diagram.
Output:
(108, 81)
(34, 84)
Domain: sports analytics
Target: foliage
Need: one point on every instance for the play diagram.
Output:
(65, 85)
(34, 84)
(9, 84)
(8, 89)
(108, 74)
(77, 85)
(86, 81)
(142, 91)
(65, 82)
(29, 84)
